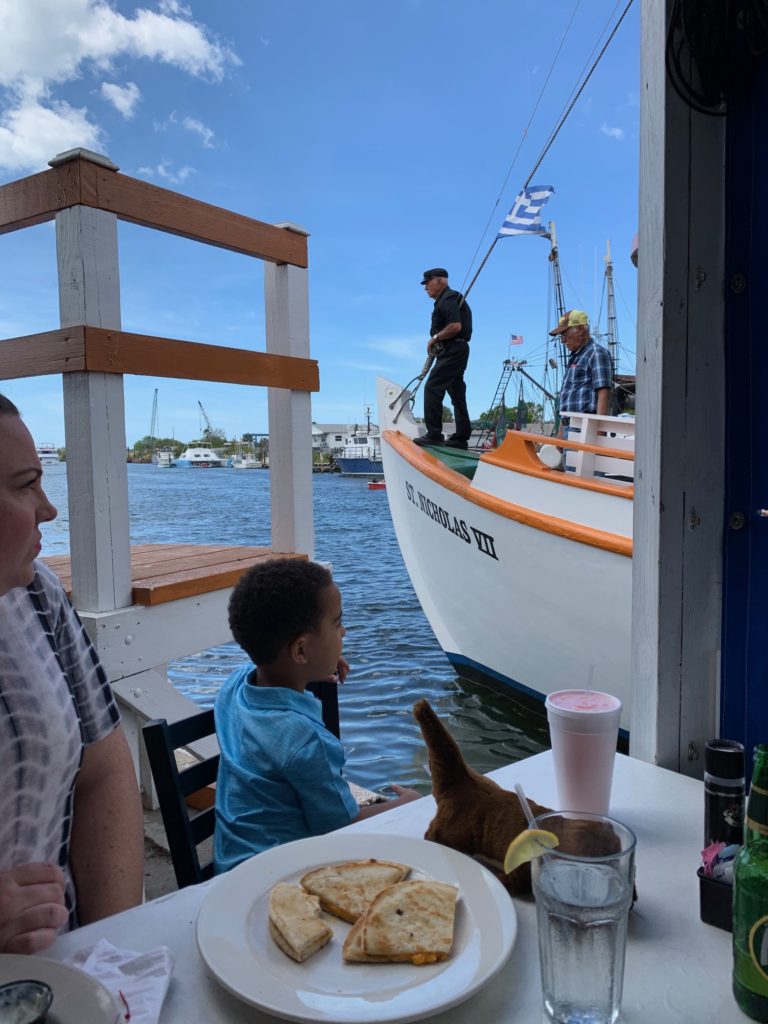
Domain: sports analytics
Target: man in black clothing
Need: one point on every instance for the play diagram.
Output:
(449, 341)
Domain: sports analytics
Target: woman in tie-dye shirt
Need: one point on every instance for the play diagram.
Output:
(71, 836)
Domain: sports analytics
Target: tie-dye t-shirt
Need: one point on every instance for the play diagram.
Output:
(54, 700)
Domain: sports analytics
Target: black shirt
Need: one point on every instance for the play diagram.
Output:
(448, 311)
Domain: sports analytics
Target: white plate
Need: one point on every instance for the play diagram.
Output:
(77, 997)
(234, 940)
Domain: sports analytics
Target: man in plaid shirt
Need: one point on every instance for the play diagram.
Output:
(589, 374)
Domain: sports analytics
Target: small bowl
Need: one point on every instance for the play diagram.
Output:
(25, 1002)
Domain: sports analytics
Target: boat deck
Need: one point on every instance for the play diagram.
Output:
(167, 572)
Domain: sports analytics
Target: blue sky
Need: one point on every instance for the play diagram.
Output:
(387, 131)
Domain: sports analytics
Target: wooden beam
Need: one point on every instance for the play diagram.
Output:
(60, 351)
(99, 350)
(121, 352)
(39, 197)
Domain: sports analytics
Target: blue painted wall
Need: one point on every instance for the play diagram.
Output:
(744, 687)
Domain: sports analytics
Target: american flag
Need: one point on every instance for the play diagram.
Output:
(525, 216)
(515, 339)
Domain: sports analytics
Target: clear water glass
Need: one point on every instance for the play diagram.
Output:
(583, 890)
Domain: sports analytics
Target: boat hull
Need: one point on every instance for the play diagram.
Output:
(525, 582)
(359, 466)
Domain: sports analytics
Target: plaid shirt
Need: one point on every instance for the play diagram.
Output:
(588, 370)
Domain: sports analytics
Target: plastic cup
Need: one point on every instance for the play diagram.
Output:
(583, 728)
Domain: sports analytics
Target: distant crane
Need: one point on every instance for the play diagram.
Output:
(153, 419)
(204, 416)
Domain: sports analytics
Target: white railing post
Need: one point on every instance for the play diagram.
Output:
(94, 413)
(290, 412)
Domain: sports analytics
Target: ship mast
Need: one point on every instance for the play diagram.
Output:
(612, 333)
(557, 277)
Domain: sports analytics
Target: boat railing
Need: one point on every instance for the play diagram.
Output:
(359, 451)
(607, 463)
(595, 434)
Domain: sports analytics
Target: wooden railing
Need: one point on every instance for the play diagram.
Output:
(145, 607)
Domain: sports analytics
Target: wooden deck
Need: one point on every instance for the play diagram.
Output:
(167, 572)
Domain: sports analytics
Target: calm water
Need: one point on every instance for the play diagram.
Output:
(392, 651)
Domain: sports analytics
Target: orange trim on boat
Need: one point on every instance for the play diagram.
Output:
(518, 452)
(434, 469)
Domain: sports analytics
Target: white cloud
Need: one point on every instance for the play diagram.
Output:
(205, 133)
(123, 97)
(81, 31)
(166, 172)
(399, 348)
(50, 42)
(612, 133)
(30, 133)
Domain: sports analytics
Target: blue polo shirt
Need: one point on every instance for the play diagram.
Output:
(280, 776)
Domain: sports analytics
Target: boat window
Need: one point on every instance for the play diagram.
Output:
(338, 437)
(361, 440)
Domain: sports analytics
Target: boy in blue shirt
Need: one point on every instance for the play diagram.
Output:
(280, 776)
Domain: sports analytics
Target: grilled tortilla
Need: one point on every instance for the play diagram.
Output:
(294, 922)
(345, 890)
(408, 922)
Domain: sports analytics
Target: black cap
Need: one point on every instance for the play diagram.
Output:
(434, 272)
(724, 759)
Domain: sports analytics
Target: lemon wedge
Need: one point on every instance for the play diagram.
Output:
(529, 844)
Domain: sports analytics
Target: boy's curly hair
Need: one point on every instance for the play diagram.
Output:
(275, 602)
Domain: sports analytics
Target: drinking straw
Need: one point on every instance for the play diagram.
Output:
(525, 805)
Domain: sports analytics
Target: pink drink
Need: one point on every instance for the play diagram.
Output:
(584, 727)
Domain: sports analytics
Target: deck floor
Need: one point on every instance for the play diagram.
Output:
(167, 572)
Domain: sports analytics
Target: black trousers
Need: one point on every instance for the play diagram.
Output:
(447, 375)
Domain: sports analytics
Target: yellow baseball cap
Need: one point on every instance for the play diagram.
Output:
(573, 318)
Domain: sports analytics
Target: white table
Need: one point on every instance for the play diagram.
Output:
(678, 969)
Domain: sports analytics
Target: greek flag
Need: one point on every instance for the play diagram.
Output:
(524, 217)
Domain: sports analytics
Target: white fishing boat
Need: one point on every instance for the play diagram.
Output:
(47, 453)
(247, 460)
(199, 458)
(163, 458)
(523, 571)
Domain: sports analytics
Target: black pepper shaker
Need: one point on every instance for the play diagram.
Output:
(723, 792)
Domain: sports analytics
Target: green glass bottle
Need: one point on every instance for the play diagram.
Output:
(750, 899)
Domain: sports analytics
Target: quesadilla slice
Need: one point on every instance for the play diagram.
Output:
(408, 922)
(294, 922)
(345, 890)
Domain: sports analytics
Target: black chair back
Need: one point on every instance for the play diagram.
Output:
(184, 827)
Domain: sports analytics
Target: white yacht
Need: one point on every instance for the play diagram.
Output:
(47, 453)
(199, 458)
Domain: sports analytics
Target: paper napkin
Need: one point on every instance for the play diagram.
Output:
(138, 981)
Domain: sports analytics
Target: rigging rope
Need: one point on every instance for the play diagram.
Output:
(556, 131)
(523, 137)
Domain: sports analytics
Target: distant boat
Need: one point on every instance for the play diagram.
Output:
(198, 458)
(246, 460)
(47, 453)
(163, 458)
(377, 485)
(361, 455)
